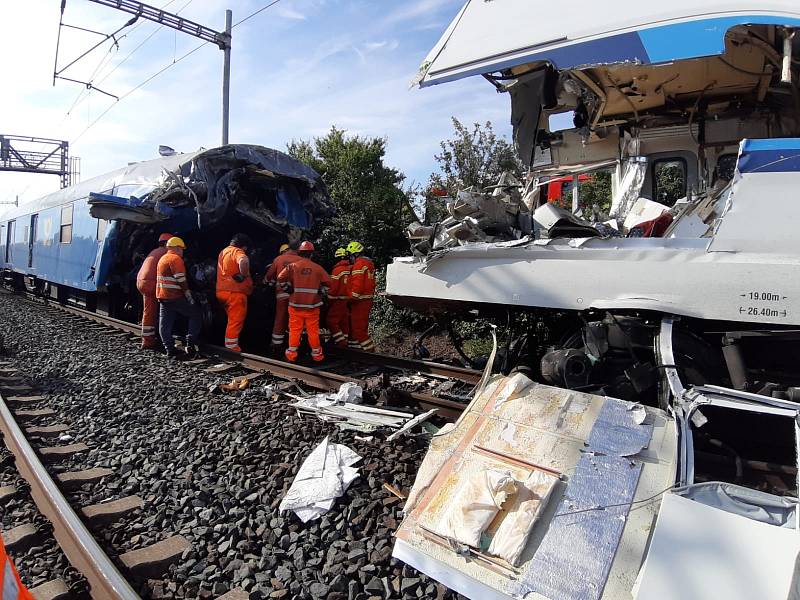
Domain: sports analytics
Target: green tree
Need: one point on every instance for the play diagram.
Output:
(473, 157)
(371, 205)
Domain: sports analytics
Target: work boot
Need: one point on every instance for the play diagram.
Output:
(191, 351)
(174, 354)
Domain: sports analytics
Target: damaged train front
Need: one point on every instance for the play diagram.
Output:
(206, 197)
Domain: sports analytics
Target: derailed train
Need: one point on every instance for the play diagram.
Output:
(86, 242)
(682, 295)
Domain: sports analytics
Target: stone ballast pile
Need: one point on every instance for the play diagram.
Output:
(214, 468)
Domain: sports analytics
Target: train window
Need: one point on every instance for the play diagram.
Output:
(25, 234)
(101, 229)
(66, 224)
(669, 180)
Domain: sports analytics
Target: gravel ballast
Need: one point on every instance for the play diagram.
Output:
(213, 468)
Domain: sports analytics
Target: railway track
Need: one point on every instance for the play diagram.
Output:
(210, 468)
(104, 579)
(325, 380)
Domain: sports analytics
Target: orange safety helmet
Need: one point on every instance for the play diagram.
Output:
(164, 237)
(306, 247)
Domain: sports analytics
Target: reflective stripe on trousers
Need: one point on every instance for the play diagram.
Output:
(149, 320)
(359, 320)
(235, 304)
(281, 322)
(300, 319)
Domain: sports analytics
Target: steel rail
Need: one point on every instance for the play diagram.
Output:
(317, 378)
(83, 552)
(423, 366)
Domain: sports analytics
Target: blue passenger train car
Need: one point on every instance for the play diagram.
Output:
(86, 242)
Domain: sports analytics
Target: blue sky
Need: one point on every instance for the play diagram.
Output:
(297, 69)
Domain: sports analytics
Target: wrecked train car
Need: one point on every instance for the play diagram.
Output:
(650, 414)
(87, 241)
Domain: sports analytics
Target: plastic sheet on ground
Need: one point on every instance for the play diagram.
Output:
(324, 476)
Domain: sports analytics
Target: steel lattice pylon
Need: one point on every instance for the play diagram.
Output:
(25, 154)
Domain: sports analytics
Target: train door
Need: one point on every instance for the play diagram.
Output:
(32, 239)
(10, 242)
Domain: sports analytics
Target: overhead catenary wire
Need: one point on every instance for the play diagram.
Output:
(253, 14)
(163, 69)
(80, 98)
(132, 90)
(143, 42)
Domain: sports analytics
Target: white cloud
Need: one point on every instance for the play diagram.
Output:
(292, 78)
(287, 12)
(415, 10)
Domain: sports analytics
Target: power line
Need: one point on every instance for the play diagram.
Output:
(251, 15)
(129, 92)
(87, 90)
(147, 39)
(160, 71)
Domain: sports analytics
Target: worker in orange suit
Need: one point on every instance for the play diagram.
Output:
(288, 255)
(10, 583)
(362, 295)
(234, 285)
(146, 284)
(338, 319)
(175, 298)
(306, 283)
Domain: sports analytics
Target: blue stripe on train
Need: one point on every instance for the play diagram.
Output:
(770, 156)
(658, 44)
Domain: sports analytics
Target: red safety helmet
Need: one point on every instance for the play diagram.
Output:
(164, 237)
(306, 247)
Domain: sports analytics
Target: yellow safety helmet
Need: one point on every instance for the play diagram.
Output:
(175, 242)
(283, 248)
(355, 247)
(340, 253)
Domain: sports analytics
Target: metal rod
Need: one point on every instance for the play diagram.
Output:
(58, 39)
(576, 182)
(97, 45)
(226, 79)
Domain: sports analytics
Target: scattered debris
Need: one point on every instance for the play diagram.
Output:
(324, 476)
(340, 408)
(237, 384)
(394, 491)
(412, 423)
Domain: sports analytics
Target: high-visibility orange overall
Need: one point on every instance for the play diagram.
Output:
(305, 278)
(362, 294)
(172, 291)
(281, 321)
(146, 284)
(233, 294)
(11, 587)
(338, 319)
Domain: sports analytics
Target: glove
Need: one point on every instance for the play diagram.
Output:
(189, 297)
(238, 278)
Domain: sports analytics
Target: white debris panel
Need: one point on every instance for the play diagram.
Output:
(344, 407)
(324, 476)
